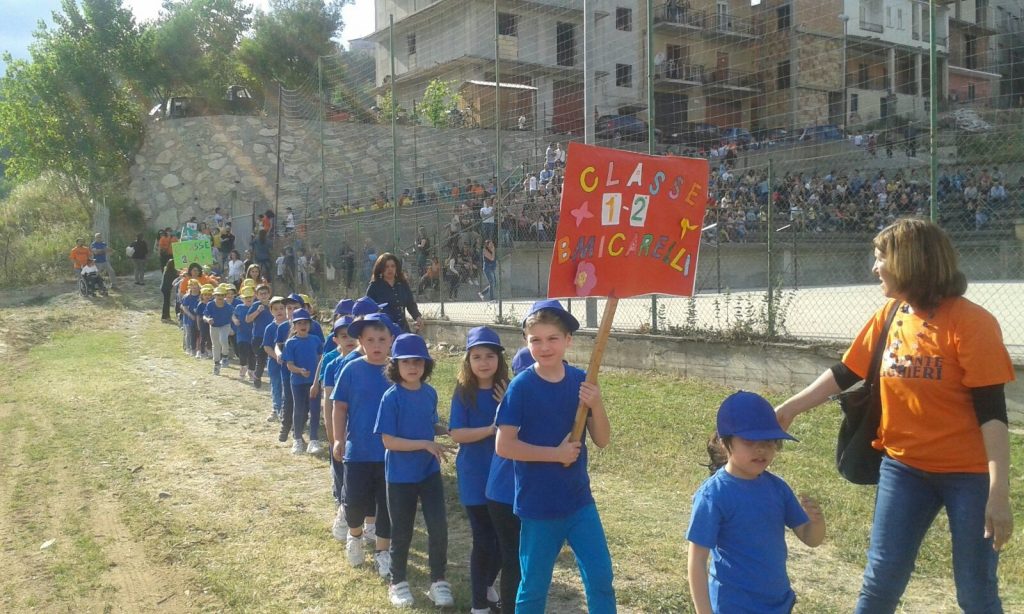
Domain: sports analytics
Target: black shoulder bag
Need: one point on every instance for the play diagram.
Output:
(856, 459)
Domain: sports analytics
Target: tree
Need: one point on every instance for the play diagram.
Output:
(191, 48)
(438, 100)
(287, 41)
(71, 109)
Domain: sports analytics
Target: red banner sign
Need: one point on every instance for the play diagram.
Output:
(629, 224)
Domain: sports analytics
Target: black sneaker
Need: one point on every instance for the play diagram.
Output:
(257, 383)
(285, 432)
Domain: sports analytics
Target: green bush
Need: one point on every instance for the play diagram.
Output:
(39, 222)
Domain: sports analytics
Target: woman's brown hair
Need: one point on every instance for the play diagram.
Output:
(466, 383)
(382, 260)
(920, 257)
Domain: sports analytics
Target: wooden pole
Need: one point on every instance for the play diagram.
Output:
(582, 411)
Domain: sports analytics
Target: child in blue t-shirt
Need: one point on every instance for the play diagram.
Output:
(243, 335)
(284, 331)
(343, 344)
(217, 315)
(205, 347)
(740, 515)
(301, 354)
(259, 317)
(501, 495)
(279, 313)
(407, 423)
(553, 498)
(481, 382)
(189, 303)
(356, 395)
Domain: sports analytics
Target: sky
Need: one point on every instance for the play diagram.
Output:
(19, 19)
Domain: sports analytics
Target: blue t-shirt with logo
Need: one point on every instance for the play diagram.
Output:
(243, 330)
(743, 523)
(473, 462)
(361, 386)
(304, 353)
(544, 413)
(409, 414)
(220, 314)
(260, 323)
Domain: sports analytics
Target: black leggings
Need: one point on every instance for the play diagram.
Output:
(245, 357)
(506, 525)
(365, 493)
(485, 556)
(402, 500)
(259, 357)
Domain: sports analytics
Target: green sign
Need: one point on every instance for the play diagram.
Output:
(187, 252)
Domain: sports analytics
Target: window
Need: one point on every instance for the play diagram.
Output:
(411, 41)
(565, 44)
(888, 16)
(624, 19)
(970, 92)
(782, 75)
(854, 103)
(508, 24)
(899, 18)
(783, 17)
(624, 75)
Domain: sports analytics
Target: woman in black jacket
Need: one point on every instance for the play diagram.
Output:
(166, 286)
(388, 285)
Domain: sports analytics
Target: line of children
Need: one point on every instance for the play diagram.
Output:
(524, 485)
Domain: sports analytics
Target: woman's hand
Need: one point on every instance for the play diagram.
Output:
(998, 518)
(419, 324)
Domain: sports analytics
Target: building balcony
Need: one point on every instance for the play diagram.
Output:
(732, 26)
(870, 26)
(871, 83)
(940, 40)
(731, 79)
(674, 16)
(679, 73)
(982, 20)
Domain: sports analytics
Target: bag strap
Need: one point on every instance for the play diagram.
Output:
(876, 356)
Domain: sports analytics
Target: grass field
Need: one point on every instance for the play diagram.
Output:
(166, 490)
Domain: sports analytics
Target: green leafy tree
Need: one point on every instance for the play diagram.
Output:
(191, 48)
(287, 41)
(71, 109)
(438, 99)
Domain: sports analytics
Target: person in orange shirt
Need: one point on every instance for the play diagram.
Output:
(80, 255)
(943, 429)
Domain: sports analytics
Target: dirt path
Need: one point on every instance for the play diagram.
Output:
(167, 491)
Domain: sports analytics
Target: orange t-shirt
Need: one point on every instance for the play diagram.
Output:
(165, 245)
(80, 256)
(930, 363)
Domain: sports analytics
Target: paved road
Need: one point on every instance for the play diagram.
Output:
(813, 314)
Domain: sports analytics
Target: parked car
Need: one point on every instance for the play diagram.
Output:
(737, 136)
(769, 136)
(625, 127)
(825, 132)
(695, 134)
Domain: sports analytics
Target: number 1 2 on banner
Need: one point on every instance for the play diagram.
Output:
(638, 214)
(611, 208)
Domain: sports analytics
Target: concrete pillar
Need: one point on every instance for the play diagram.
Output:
(891, 68)
(918, 74)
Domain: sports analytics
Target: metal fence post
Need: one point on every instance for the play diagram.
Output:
(771, 266)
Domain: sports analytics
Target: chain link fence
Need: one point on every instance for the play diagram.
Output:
(440, 139)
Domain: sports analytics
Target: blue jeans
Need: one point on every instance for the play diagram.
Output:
(492, 281)
(304, 407)
(906, 504)
(276, 393)
(540, 542)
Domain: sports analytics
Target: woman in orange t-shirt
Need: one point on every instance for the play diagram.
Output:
(943, 427)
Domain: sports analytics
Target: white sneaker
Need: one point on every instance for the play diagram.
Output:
(273, 417)
(480, 611)
(299, 446)
(400, 595)
(370, 534)
(492, 594)
(382, 560)
(315, 447)
(354, 550)
(441, 594)
(340, 527)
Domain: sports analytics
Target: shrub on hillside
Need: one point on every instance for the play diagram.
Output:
(39, 222)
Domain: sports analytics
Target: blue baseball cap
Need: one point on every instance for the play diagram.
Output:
(356, 328)
(344, 307)
(301, 314)
(481, 335)
(365, 306)
(408, 345)
(522, 361)
(342, 323)
(750, 416)
(570, 321)
(294, 298)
